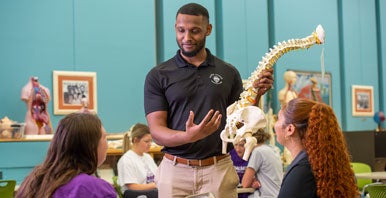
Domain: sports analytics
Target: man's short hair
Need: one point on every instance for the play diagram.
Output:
(194, 9)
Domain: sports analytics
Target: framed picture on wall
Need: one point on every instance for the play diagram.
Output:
(362, 100)
(314, 85)
(73, 90)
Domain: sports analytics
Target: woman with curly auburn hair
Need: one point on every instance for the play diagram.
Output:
(78, 147)
(321, 165)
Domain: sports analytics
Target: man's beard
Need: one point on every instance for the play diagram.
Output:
(200, 46)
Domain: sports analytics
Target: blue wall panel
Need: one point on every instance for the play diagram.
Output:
(298, 19)
(34, 38)
(19, 158)
(115, 39)
(360, 57)
(120, 46)
(245, 35)
(381, 54)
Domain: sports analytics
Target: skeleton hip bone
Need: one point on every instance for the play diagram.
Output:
(242, 124)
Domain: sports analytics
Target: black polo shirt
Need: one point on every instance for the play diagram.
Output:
(178, 87)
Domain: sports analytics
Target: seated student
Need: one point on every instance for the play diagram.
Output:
(136, 168)
(321, 165)
(77, 148)
(265, 165)
(239, 163)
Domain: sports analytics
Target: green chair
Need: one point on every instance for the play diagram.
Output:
(360, 167)
(117, 187)
(375, 190)
(7, 188)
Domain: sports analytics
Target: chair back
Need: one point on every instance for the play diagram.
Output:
(376, 191)
(360, 167)
(141, 193)
(7, 188)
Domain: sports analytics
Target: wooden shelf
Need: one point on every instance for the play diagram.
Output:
(30, 138)
(47, 138)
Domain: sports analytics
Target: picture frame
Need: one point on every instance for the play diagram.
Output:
(71, 89)
(362, 100)
(304, 81)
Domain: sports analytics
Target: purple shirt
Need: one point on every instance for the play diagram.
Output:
(85, 185)
(240, 166)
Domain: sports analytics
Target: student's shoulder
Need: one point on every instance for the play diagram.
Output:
(83, 178)
(262, 148)
(128, 155)
(89, 180)
(85, 184)
(301, 169)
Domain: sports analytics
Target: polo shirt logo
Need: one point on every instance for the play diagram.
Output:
(216, 79)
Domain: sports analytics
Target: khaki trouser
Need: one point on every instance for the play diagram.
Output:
(180, 180)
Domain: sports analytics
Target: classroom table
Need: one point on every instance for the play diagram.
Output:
(245, 190)
(380, 175)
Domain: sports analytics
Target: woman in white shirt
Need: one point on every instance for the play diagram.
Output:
(136, 168)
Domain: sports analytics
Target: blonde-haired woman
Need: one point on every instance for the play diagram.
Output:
(136, 168)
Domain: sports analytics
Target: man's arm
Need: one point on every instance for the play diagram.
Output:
(164, 136)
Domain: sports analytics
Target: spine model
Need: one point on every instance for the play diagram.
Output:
(243, 118)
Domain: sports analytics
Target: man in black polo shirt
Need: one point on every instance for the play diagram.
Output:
(185, 104)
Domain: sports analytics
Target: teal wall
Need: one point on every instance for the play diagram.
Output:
(121, 40)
